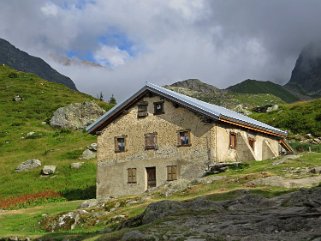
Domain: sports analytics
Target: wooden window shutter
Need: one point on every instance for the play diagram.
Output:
(252, 142)
(150, 141)
(142, 109)
(174, 172)
(171, 173)
(131, 175)
(233, 142)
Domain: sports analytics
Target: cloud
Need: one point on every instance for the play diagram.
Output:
(162, 41)
(111, 56)
(49, 9)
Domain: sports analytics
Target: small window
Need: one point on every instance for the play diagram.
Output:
(159, 108)
(252, 142)
(142, 109)
(233, 140)
(151, 141)
(120, 144)
(171, 173)
(184, 138)
(131, 175)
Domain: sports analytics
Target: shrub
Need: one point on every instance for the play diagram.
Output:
(13, 75)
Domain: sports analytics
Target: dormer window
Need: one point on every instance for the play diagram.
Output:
(159, 108)
(142, 109)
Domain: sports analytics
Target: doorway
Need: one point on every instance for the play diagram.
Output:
(151, 177)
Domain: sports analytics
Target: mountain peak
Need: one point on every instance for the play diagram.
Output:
(20, 60)
(306, 75)
(196, 85)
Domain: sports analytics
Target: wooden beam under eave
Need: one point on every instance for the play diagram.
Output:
(251, 128)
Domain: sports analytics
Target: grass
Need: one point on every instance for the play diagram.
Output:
(298, 118)
(51, 146)
(264, 87)
(15, 221)
(26, 221)
(231, 99)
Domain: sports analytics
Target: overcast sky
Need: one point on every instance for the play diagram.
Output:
(115, 46)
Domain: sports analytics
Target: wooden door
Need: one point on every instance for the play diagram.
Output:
(151, 176)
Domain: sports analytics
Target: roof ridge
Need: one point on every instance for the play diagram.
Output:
(211, 110)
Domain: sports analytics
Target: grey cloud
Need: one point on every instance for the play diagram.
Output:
(221, 42)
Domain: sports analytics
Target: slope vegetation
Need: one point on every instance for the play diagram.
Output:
(52, 146)
(298, 118)
(20, 60)
(229, 99)
(254, 87)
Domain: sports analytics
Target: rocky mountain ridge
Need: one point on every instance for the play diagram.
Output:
(228, 98)
(22, 61)
(306, 75)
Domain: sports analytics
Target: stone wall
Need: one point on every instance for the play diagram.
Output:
(243, 151)
(209, 143)
(191, 160)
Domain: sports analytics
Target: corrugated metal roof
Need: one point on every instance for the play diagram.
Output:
(214, 111)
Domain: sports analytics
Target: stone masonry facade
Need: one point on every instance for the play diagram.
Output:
(127, 167)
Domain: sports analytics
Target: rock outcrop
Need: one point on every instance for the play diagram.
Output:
(76, 116)
(28, 165)
(306, 75)
(292, 216)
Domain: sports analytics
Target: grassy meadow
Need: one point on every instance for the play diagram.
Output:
(51, 146)
(26, 197)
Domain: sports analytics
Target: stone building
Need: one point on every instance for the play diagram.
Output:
(158, 135)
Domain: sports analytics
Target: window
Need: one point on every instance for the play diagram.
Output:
(251, 142)
(171, 173)
(120, 144)
(151, 141)
(131, 175)
(142, 109)
(232, 140)
(184, 138)
(159, 108)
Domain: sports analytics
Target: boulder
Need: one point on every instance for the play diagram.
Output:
(48, 170)
(89, 203)
(272, 108)
(76, 165)
(316, 170)
(92, 147)
(76, 116)
(17, 98)
(88, 154)
(29, 164)
(134, 236)
(243, 110)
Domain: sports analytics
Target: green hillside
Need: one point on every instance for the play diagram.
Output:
(227, 98)
(299, 118)
(255, 87)
(51, 146)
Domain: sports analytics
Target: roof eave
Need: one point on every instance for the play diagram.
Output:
(279, 133)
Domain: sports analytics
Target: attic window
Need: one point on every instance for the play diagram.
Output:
(151, 141)
(120, 144)
(251, 142)
(159, 108)
(184, 138)
(142, 109)
(233, 140)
